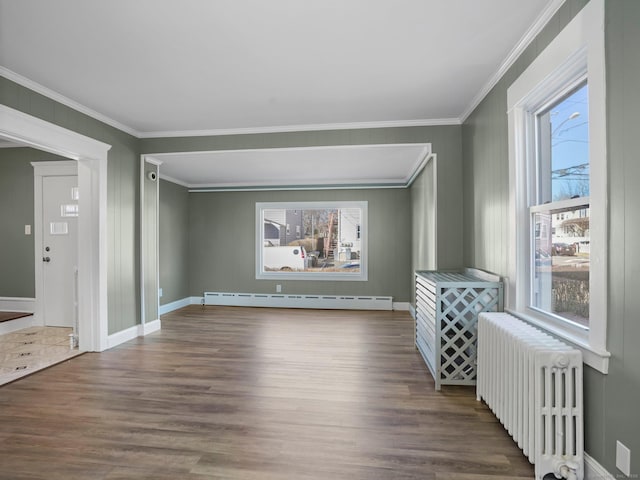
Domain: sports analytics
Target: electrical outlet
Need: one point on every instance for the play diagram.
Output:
(278, 288)
(623, 458)
(160, 292)
(27, 229)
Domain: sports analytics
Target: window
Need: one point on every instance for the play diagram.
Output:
(558, 178)
(311, 240)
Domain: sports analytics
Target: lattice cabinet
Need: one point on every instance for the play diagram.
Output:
(447, 307)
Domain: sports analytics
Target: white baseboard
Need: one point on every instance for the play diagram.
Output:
(412, 311)
(150, 327)
(170, 307)
(594, 471)
(17, 324)
(403, 306)
(130, 333)
(18, 304)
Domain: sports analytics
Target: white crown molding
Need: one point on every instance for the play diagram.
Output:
(174, 180)
(422, 159)
(514, 54)
(303, 128)
(53, 95)
(47, 92)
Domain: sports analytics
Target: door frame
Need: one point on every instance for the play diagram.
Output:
(91, 158)
(41, 170)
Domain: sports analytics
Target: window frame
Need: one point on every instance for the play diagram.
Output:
(541, 188)
(360, 276)
(575, 55)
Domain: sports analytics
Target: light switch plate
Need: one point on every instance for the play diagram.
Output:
(27, 229)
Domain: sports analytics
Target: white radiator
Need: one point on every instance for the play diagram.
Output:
(533, 384)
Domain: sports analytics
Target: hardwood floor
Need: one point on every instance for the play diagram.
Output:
(240, 393)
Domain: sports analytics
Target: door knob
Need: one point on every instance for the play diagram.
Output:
(46, 259)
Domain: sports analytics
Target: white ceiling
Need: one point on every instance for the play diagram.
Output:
(167, 67)
(362, 165)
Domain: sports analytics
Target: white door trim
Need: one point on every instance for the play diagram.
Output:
(41, 170)
(91, 156)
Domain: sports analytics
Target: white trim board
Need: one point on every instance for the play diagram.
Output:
(18, 304)
(183, 302)
(131, 333)
(594, 471)
(17, 324)
(91, 157)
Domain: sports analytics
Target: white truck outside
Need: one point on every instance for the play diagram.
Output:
(284, 258)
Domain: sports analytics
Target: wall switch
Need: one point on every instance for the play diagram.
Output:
(623, 459)
(27, 229)
(278, 288)
(160, 292)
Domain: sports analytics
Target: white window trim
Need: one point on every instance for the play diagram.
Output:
(577, 51)
(361, 276)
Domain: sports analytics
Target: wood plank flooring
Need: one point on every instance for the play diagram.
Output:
(240, 393)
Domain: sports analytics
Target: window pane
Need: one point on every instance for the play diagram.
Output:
(312, 240)
(564, 149)
(561, 267)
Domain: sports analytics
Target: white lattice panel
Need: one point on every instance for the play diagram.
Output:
(447, 307)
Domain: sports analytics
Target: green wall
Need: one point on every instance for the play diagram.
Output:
(610, 400)
(446, 143)
(174, 242)
(17, 255)
(619, 392)
(122, 196)
(222, 241)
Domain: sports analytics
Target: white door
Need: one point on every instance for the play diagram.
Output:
(59, 249)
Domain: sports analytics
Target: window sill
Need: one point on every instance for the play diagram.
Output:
(597, 359)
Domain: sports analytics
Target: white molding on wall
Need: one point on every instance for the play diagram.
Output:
(594, 471)
(183, 302)
(18, 304)
(401, 306)
(150, 327)
(17, 324)
(91, 156)
(423, 122)
(530, 35)
(53, 95)
(130, 333)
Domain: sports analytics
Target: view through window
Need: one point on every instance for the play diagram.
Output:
(312, 239)
(560, 213)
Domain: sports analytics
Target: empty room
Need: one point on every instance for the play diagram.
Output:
(319, 240)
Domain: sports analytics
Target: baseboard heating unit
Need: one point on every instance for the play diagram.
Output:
(533, 384)
(341, 302)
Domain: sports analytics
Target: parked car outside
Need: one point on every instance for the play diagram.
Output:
(563, 249)
(289, 258)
